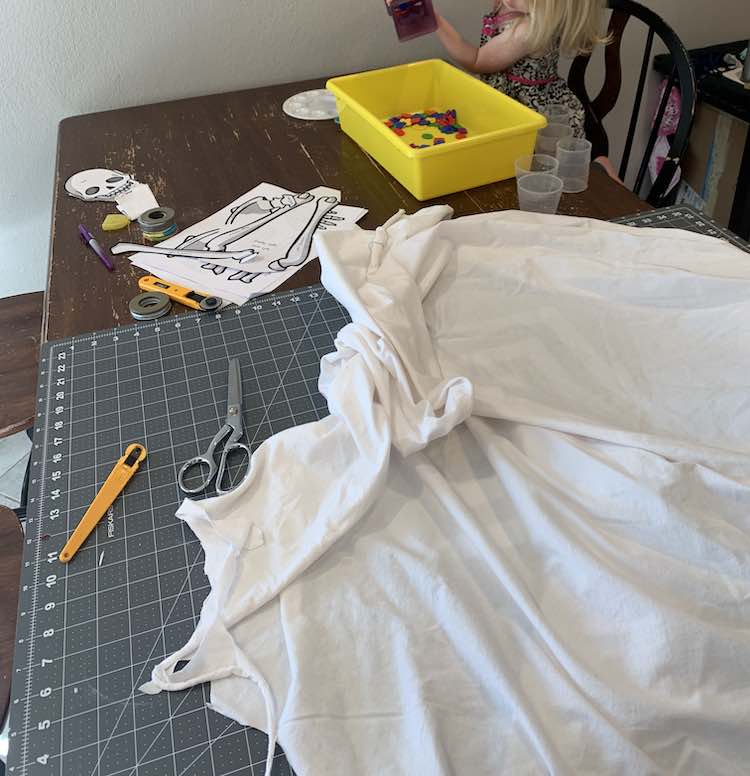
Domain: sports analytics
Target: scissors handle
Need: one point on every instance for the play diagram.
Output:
(230, 448)
(207, 460)
(199, 461)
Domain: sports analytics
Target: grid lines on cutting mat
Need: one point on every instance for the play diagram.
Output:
(683, 217)
(90, 632)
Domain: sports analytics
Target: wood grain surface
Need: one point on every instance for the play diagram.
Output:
(198, 155)
(20, 331)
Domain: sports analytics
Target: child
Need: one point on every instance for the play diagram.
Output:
(520, 49)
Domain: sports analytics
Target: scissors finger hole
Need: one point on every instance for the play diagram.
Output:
(196, 476)
(236, 468)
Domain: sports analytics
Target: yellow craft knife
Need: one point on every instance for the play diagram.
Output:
(193, 299)
(121, 475)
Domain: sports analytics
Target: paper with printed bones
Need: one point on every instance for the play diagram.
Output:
(269, 233)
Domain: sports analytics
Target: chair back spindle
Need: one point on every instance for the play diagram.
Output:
(598, 108)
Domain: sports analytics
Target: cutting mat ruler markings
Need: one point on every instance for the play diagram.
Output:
(89, 633)
(683, 217)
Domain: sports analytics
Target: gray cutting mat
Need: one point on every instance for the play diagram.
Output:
(89, 633)
(683, 217)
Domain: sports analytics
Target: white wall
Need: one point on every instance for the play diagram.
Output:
(65, 57)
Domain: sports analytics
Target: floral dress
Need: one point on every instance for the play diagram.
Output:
(534, 81)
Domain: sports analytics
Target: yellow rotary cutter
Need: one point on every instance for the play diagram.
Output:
(121, 475)
(185, 296)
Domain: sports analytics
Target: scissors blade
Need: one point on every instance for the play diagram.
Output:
(234, 399)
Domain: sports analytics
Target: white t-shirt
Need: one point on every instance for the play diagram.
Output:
(520, 543)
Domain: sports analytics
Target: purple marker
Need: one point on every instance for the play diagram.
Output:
(88, 238)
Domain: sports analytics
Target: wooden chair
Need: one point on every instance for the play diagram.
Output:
(599, 107)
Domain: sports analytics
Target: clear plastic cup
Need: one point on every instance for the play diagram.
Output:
(412, 18)
(525, 165)
(574, 156)
(547, 138)
(539, 192)
(557, 113)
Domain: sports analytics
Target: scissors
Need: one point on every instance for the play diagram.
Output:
(232, 427)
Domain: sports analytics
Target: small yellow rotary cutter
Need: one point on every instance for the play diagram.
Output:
(185, 296)
(121, 475)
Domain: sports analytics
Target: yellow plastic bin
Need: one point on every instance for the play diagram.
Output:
(500, 128)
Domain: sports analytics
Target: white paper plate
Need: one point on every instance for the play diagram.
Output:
(317, 105)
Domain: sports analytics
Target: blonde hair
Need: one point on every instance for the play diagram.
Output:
(576, 24)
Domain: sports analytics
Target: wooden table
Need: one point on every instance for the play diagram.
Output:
(199, 154)
(11, 549)
(20, 326)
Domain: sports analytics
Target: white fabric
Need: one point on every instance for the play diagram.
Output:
(520, 542)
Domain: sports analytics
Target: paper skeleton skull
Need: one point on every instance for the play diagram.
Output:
(102, 185)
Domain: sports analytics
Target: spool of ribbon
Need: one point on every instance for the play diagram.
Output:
(157, 224)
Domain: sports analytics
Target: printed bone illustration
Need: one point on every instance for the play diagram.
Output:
(300, 248)
(261, 206)
(219, 239)
(237, 275)
(308, 214)
(99, 184)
